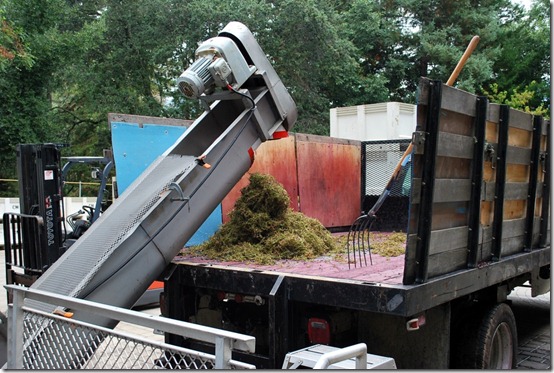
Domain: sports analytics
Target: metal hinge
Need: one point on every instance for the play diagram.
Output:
(542, 159)
(490, 154)
(418, 139)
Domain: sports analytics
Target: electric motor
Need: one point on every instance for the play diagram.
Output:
(219, 63)
(193, 81)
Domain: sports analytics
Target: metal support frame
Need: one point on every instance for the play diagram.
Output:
(428, 180)
(479, 127)
(223, 340)
(543, 239)
(223, 352)
(71, 161)
(15, 254)
(278, 324)
(502, 147)
(363, 163)
(532, 191)
(15, 332)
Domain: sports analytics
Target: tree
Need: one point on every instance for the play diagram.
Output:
(524, 61)
(65, 64)
(521, 100)
(25, 89)
(114, 61)
(376, 28)
(407, 39)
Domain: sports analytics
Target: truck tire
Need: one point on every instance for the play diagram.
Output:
(492, 341)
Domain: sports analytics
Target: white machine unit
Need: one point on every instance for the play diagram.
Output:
(383, 121)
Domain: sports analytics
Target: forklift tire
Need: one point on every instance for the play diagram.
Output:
(492, 343)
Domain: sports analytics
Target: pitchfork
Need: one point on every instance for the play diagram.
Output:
(358, 236)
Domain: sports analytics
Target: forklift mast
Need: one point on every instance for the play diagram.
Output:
(40, 183)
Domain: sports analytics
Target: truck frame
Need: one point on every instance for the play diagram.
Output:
(465, 252)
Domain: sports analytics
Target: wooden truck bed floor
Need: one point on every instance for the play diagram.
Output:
(387, 270)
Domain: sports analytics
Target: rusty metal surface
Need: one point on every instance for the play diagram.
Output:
(276, 158)
(320, 174)
(329, 181)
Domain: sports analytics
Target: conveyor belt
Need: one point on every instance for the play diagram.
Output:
(76, 268)
(132, 243)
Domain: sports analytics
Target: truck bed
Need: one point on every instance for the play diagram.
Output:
(369, 267)
(387, 270)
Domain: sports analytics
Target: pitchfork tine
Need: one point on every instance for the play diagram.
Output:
(354, 229)
(348, 238)
(360, 241)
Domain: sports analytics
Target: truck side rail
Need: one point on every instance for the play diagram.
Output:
(480, 187)
(110, 349)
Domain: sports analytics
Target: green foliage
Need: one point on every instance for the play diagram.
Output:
(24, 84)
(13, 50)
(518, 100)
(524, 61)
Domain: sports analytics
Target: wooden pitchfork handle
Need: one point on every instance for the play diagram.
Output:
(469, 50)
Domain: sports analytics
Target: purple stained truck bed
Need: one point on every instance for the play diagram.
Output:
(388, 270)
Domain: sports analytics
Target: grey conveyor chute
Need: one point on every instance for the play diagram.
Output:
(131, 244)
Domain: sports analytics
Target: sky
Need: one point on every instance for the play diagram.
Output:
(525, 3)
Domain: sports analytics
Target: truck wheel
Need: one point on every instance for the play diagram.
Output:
(492, 344)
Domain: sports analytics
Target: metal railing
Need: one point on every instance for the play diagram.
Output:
(379, 158)
(358, 351)
(37, 340)
(379, 192)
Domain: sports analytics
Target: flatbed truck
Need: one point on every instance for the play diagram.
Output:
(441, 305)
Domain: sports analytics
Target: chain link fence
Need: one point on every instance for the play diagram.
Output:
(379, 159)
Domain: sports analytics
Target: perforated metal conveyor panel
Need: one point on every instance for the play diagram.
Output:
(86, 256)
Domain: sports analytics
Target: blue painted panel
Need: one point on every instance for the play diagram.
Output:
(136, 147)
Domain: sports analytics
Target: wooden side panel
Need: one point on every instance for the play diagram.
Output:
(447, 249)
(329, 174)
(276, 158)
(442, 243)
(516, 183)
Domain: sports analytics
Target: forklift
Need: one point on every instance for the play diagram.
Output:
(39, 234)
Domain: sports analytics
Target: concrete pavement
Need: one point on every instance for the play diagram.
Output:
(534, 329)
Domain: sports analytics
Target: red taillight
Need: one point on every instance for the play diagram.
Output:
(280, 135)
(319, 331)
(221, 295)
(415, 323)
